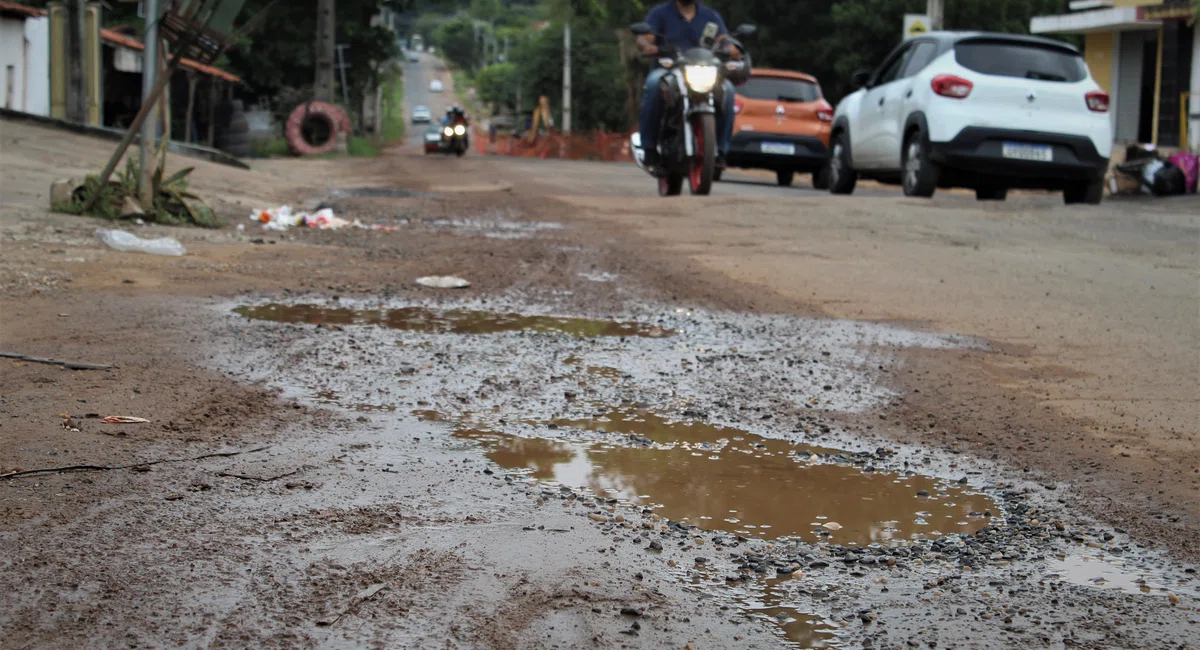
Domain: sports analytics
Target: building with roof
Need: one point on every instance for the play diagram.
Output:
(28, 69)
(1145, 54)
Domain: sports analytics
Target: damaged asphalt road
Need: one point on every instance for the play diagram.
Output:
(592, 446)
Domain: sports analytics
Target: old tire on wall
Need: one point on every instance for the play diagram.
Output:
(324, 120)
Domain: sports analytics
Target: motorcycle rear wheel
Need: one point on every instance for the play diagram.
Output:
(703, 165)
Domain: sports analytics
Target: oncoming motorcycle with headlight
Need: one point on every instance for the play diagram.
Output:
(687, 136)
(454, 133)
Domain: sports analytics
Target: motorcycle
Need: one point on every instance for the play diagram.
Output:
(687, 136)
(454, 136)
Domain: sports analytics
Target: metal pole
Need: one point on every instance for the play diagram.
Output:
(935, 10)
(149, 82)
(566, 120)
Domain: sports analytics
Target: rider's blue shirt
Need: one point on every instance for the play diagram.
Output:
(702, 30)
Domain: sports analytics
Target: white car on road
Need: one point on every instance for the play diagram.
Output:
(421, 115)
(435, 86)
(984, 111)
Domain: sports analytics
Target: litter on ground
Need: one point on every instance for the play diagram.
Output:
(124, 241)
(282, 218)
(443, 282)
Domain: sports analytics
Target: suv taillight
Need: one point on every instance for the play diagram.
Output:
(1097, 101)
(948, 85)
(737, 106)
(825, 114)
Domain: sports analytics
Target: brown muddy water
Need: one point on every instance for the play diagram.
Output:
(726, 479)
(449, 321)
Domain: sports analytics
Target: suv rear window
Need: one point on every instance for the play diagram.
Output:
(780, 89)
(1022, 60)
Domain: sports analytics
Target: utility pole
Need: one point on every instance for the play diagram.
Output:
(341, 50)
(326, 29)
(566, 111)
(934, 8)
(149, 81)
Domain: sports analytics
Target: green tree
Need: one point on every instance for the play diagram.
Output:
(485, 9)
(457, 40)
(497, 84)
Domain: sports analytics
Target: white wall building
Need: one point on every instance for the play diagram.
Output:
(24, 61)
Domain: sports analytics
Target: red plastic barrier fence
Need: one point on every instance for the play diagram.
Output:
(596, 145)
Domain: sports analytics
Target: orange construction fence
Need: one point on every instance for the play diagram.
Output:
(596, 145)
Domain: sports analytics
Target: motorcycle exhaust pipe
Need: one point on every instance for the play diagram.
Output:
(635, 145)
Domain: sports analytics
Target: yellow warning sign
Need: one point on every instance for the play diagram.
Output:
(915, 25)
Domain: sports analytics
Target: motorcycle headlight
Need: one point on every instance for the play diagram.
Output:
(700, 78)
(459, 129)
(449, 131)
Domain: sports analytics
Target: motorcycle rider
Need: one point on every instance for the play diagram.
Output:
(684, 24)
(451, 112)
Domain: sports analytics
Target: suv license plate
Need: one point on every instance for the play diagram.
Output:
(1034, 152)
(779, 148)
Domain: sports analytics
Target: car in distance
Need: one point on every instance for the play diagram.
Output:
(985, 111)
(435, 86)
(421, 115)
(413, 57)
(433, 139)
(782, 123)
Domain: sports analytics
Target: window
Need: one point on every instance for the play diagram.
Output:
(780, 89)
(922, 55)
(891, 70)
(1022, 60)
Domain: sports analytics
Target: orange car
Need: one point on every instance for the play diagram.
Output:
(782, 124)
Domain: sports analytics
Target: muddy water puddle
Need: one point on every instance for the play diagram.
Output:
(726, 479)
(333, 398)
(450, 321)
(1120, 574)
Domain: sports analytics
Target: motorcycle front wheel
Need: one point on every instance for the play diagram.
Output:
(703, 164)
(670, 185)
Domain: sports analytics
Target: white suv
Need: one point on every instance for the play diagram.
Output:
(978, 110)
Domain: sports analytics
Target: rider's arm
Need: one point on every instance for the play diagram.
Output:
(648, 43)
(723, 35)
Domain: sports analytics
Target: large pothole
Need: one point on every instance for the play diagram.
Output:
(726, 479)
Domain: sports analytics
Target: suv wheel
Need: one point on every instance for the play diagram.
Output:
(1089, 193)
(991, 193)
(785, 177)
(842, 176)
(920, 173)
(820, 179)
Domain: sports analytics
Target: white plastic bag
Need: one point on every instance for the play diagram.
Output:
(123, 241)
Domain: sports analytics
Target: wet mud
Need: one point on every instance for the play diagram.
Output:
(448, 321)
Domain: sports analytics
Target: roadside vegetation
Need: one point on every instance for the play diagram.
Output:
(173, 203)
